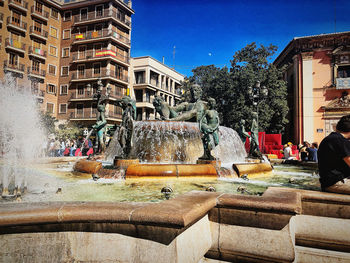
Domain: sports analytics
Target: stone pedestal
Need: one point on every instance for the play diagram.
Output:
(124, 163)
(216, 163)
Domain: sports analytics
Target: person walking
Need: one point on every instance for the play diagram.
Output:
(312, 152)
(334, 159)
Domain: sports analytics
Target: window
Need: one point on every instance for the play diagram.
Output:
(34, 87)
(81, 71)
(49, 107)
(97, 69)
(80, 90)
(83, 14)
(64, 71)
(63, 108)
(35, 66)
(52, 69)
(13, 59)
(64, 90)
(16, 18)
(99, 11)
(81, 52)
(65, 52)
(54, 13)
(38, 7)
(53, 32)
(51, 89)
(139, 77)
(344, 72)
(66, 34)
(67, 16)
(80, 109)
(36, 44)
(53, 51)
(37, 27)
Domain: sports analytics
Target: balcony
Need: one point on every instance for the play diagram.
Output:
(15, 45)
(92, 36)
(342, 83)
(16, 25)
(93, 17)
(84, 114)
(14, 68)
(103, 74)
(40, 14)
(19, 4)
(37, 53)
(36, 73)
(81, 97)
(38, 33)
(89, 56)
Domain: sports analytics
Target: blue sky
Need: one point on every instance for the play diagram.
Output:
(209, 32)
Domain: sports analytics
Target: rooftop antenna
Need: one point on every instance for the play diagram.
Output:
(163, 60)
(335, 16)
(174, 57)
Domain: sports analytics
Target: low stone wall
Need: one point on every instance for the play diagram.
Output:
(283, 225)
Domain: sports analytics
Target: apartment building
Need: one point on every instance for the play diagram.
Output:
(56, 48)
(151, 77)
(317, 71)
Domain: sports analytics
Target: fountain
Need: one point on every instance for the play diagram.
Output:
(22, 139)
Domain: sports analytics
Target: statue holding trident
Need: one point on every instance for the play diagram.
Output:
(126, 127)
(254, 151)
(209, 125)
(101, 121)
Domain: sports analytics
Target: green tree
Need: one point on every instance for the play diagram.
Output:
(47, 122)
(230, 88)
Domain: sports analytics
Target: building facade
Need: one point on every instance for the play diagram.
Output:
(317, 71)
(56, 48)
(151, 77)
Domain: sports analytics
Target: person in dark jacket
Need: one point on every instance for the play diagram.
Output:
(334, 159)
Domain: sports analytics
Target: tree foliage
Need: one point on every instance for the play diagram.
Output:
(229, 87)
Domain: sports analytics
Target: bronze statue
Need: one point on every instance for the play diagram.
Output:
(242, 132)
(126, 127)
(165, 111)
(254, 151)
(209, 125)
(194, 110)
(101, 121)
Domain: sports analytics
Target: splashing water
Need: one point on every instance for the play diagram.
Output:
(21, 135)
(177, 142)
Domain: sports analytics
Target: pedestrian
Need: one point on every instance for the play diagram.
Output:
(334, 159)
(303, 151)
(312, 152)
(62, 147)
(57, 146)
(287, 152)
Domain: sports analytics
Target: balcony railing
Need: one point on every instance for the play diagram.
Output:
(88, 74)
(9, 42)
(40, 13)
(83, 114)
(41, 33)
(37, 51)
(114, 115)
(38, 93)
(106, 14)
(23, 5)
(90, 55)
(343, 83)
(100, 34)
(15, 67)
(18, 24)
(37, 72)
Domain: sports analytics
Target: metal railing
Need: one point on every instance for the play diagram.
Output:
(103, 73)
(20, 24)
(40, 12)
(342, 83)
(9, 42)
(34, 71)
(83, 114)
(79, 56)
(37, 51)
(18, 67)
(40, 32)
(20, 3)
(100, 34)
(105, 14)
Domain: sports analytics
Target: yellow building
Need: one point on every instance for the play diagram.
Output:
(56, 48)
(317, 70)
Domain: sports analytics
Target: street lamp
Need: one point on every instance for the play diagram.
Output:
(257, 94)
